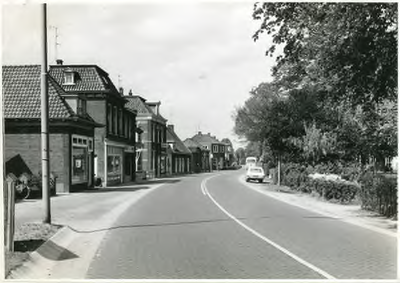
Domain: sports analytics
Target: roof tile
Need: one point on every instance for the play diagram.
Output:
(22, 94)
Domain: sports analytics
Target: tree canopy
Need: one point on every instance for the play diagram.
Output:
(346, 50)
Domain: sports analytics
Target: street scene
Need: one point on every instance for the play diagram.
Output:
(201, 140)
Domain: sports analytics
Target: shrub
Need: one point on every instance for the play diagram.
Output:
(296, 176)
(379, 193)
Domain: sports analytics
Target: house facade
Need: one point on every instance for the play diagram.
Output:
(71, 128)
(179, 159)
(229, 152)
(217, 149)
(152, 158)
(200, 156)
(114, 154)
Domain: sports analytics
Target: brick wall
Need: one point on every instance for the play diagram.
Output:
(29, 147)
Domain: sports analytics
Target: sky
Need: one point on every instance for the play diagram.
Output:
(197, 58)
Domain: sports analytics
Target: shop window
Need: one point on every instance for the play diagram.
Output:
(79, 165)
(114, 167)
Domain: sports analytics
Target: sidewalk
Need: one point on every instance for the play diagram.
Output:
(351, 213)
(86, 217)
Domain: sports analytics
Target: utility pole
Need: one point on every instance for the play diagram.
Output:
(45, 122)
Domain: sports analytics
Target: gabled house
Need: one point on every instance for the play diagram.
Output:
(229, 152)
(179, 157)
(71, 128)
(200, 156)
(153, 156)
(217, 149)
(115, 143)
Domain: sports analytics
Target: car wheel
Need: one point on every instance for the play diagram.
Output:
(260, 180)
(247, 179)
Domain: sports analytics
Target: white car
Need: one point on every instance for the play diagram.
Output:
(255, 173)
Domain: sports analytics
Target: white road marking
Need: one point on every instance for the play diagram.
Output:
(265, 239)
(327, 214)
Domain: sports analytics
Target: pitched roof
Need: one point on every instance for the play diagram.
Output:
(21, 93)
(200, 138)
(138, 103)
(87, 78)
(189, 143)
(179, 145)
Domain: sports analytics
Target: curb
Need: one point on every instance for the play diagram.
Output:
(42, 263)
(37, 262)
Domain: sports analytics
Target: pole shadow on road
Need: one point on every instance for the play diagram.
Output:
(55, 252)
(116, 189)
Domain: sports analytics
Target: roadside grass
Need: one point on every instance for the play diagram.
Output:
(27, 238)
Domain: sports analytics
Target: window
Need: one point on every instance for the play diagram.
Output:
(121, 129)
(115, 120)
(222, 149)
(81, 107)
(126, 125)
(215, 148)
(69, 77)
(109, 118)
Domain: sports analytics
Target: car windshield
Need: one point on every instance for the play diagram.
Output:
(255, 170)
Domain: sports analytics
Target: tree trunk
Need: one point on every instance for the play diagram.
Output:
(279, 170)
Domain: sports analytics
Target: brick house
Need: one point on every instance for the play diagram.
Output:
(71, 128)
(115, 143)
(200, 156)
(179, 156)
(229, 152)
(152, 158)
(217, 149)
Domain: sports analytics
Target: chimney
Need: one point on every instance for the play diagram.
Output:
(59, 62)
(130, 92)
(171, 128)
(199, 133)
(209, 134)
(158, 108)
(121, 90)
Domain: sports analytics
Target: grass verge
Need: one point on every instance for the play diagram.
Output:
(27, 238)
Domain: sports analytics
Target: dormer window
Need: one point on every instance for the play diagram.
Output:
(69, 77)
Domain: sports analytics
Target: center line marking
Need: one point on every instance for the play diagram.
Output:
(282, 249)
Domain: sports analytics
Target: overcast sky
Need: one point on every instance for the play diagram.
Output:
(198, 59)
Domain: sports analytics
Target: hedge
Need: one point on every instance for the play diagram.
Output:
(377, 192)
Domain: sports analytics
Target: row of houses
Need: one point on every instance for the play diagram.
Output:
(98, 134)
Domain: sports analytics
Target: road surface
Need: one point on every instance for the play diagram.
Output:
(211, 226)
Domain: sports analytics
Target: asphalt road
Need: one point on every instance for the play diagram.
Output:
(210, 226)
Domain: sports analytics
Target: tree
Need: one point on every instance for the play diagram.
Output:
(348, 51)
(240, 155)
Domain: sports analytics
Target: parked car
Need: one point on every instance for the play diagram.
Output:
(255, 173)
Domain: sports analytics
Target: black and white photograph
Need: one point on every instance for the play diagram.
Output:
(200, 140)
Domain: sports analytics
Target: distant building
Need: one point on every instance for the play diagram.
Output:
(152, 157)
(200, 156)
(179, 157)
(71, 127)
(229, 152)
(115, 143)
(217, 149)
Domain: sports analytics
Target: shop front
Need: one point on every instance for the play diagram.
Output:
(81, 162)
(114, 165)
